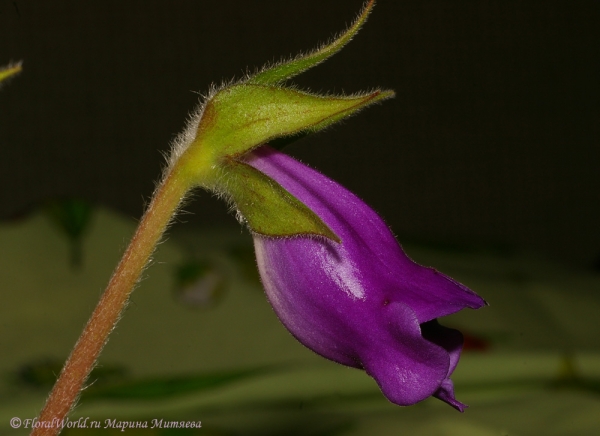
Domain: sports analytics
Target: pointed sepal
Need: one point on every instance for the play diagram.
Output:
(285, 70)
(242, 117)
(267, 208)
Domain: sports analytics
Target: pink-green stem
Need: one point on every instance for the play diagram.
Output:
(167, 198)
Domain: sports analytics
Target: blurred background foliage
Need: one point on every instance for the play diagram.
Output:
(199, 340)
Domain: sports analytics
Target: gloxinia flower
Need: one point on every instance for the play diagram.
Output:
(362, 302)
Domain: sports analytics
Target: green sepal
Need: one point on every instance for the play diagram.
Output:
(242, 117)
(286, 70)
(267, 207)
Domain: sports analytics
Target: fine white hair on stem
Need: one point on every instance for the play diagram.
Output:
(183, 140)
(187, 136)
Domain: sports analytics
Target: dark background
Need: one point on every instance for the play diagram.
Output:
(492, 139)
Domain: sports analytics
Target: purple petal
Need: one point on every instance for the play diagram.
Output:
(363, 302)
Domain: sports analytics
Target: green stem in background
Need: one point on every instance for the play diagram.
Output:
(10, 70)
(63, 396)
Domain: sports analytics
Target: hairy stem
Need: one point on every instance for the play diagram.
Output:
(63, 396)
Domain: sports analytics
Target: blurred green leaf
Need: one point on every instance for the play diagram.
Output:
(72, 217)
(165, 387)
(42, 373)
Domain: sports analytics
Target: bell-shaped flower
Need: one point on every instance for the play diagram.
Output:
(332, 269)
(361, 302)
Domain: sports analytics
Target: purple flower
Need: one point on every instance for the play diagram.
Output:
(361, 302)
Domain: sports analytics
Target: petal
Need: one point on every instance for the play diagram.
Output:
(446, 394)
(408, 368)
(316, 299)
(449, 339)
(361, 302)
(452, 341)
(367, 240)
(336, 324)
